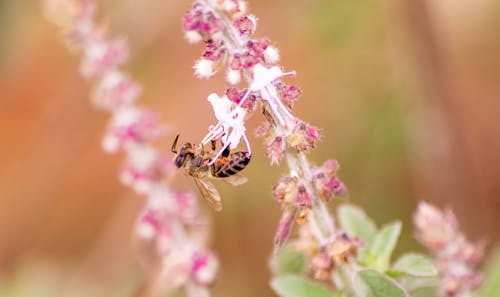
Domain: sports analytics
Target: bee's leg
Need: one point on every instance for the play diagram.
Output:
(197, 162)
(247, 144)
(213, 133)
(226, 152)
(219, 154)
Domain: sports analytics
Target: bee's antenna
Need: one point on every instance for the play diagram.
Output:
(174, 145)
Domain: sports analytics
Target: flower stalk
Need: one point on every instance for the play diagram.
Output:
(171, 230)
(227, 31)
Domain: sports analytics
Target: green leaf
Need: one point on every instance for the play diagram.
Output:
(298, 286)
(425, 292)
(491, 286)
(420, 286)
(380, 251)
(355, 222)
(413, 264)
(372, 283)
(289, 261)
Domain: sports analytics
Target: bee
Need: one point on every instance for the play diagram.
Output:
(197, 162)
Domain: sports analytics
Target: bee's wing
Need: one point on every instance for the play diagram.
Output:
(236, 179)
(209, 192)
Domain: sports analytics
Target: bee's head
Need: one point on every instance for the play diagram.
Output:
(185, 152)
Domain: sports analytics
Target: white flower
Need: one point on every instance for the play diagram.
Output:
(231, 120)
(263, 76)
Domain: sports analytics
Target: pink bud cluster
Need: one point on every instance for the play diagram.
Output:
(454, 256)
(296, 198)
(338, 251)
(227, 30)
(302, 137)
(171, 220)
(162, 227)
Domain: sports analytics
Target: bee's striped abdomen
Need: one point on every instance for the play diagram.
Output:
(231, 165)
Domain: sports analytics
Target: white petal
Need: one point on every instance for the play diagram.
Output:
(263, 76)
(220, 105)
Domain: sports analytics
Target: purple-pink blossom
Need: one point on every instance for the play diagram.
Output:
(454, 256)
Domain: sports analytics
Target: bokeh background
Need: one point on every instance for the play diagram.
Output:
(407, 93)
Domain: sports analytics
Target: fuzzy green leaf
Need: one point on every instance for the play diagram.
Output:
(289, 261)
(372, 283)
(299, 286)
(420, 286)
(355, 222)
(380, 251)
(414, 265)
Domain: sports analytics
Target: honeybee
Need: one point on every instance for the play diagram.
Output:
(197, 162)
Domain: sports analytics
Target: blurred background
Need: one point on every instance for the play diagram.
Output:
(407, 94)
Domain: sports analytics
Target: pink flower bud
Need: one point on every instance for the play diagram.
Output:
(275, 150)
(263, 130)
(284, 228)
(115, 90)
(204, 268)
(291, 93)
(304, 137)
(236, 96)
(130, 126)
(245, 25)
(214, 50)
(286, 190)
(304, 199)
(436, 229)
(322, 265)
(101, 56)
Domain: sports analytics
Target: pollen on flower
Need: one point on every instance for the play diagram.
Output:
(204, 68)
(271, 55)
